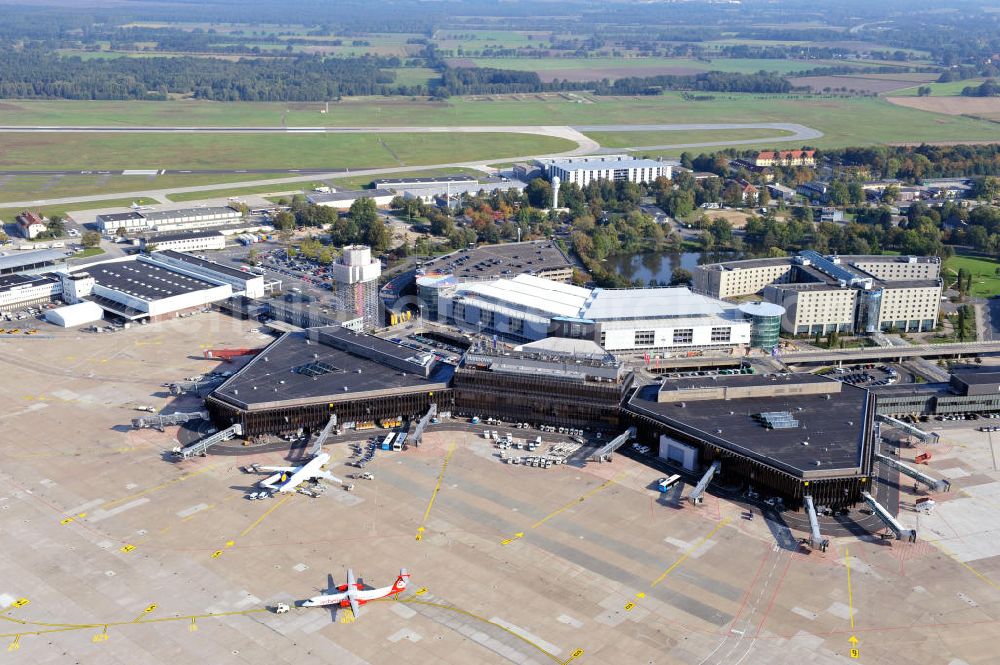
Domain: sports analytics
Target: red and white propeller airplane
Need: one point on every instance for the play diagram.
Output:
(355, 594)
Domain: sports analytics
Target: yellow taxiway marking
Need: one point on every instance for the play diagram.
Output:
(437, 488)
(575, 502)
(49, 627)
(965, 565)
(688, 552)
(347, 616)
(15, 645)
(264, 516)
(850, 605)
(159, 487)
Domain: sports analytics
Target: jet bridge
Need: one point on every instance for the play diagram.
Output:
(698, 495)
(323, 436)
(196, 387)
(604, 453)
(161, 421)
(933, 484)
(817, 541)
(927, 437)
(418, 433)
(898, 529)
(201, 447)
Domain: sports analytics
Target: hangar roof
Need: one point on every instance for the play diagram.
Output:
(146, 281)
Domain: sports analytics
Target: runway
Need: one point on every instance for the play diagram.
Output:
(584, 146)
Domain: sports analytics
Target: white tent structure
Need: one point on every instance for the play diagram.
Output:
(71, 316)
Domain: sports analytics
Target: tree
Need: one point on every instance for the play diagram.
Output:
(681, 277)
(56, 227)
(284, 221)
(4, 238)
(539, 193)
(253, 256)
(890, 194)
(377, 236)
(90, 239)
(363, 212)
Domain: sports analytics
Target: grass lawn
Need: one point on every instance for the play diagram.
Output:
(949, 89)
(8, 214)
(248, 151)
(985, 282)
(415, 75)
(632, 139)
(845, 121)
(90, 251)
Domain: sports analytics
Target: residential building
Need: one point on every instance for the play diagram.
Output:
(786, 158)
(30, 225)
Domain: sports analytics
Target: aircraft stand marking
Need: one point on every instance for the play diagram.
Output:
(437, 488)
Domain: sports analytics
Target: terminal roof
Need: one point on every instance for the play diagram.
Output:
(145, 281)
(833, 423)
(298, 370)
(205, 263)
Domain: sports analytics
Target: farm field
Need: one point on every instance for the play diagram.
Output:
(864, 83)
(630, 139)
(950, 89)
(980, 107)
(589, 69)
(985, 281)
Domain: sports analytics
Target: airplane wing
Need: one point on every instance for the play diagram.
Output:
(354, 605)
(331, 586)
(350, 579)
(285, 469)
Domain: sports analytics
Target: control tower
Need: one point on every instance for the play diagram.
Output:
(355, 283)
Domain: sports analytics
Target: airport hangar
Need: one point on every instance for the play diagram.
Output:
(786, 435)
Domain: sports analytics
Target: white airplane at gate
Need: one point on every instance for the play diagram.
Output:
(288, 478)
(354, 594)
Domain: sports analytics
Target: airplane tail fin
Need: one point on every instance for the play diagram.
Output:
(401, 582)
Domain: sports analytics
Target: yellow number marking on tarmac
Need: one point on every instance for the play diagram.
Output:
(573, 656)
(216, 554)
(574, 502)
(629, 607)
(850, 605)
(67, 520)
(194, 625)
(20, 602)
(347, 616)
(421, 591)
(126, 548)
(689, 551)
(100, 637)
(437, 488)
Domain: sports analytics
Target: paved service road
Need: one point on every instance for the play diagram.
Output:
(584, 146)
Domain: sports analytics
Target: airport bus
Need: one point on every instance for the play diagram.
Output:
(665, 484)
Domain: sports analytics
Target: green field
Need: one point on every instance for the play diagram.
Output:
(597, 65)
(237, 151)
(632, 139)
(415, 75)
(950, 89)
(985, 281)
(248, 151)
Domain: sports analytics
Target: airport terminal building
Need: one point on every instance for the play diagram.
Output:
(525, 308)
(783, 434)
(303, 378)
